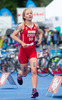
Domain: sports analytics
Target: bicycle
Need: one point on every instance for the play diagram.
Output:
(9, 61)
(55, 64)
(2, 68)
(42, 62)
(13, 65)
(43, 58)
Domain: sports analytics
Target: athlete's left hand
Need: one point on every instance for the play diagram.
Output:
(39, 42)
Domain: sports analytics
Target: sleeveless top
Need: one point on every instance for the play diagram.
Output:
(28, 34)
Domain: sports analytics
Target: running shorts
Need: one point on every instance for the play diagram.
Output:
(26, 54)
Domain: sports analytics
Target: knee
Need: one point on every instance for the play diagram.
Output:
(34, 72)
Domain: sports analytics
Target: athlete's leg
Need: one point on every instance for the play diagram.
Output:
(24, 70)
(21, 73)
(33, 64)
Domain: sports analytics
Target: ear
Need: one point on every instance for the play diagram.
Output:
(24, 17)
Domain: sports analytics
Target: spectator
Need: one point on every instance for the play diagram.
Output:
(1, 42)
(58, 29)
(46, 34)
(11, 42)
(3, 37)
(60, 38)
(52, 37)
(5, 44)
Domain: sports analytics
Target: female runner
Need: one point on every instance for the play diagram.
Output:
(27, 52)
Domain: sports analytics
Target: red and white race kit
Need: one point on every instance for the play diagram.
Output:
(28, 37)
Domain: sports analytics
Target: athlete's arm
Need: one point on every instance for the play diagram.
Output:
(40, 34)
(15, 35)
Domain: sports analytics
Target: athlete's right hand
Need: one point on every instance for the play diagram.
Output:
(24, 45)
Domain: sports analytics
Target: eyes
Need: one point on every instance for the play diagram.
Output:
(30, 13)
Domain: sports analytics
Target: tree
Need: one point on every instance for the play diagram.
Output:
(42, 3)
(11, 5)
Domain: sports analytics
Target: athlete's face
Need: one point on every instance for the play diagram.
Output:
(28, 15)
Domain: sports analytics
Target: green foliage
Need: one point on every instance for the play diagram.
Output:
(46, 2)
(42, 3)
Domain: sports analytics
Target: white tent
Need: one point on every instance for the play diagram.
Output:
(54, 9)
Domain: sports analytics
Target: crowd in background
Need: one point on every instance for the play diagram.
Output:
(48, 32)
(51, 33)
(7, 41)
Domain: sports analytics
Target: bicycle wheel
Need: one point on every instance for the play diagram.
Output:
(10, 67)
(17, 66)
(3, 68)
(42, 70)
(55, 65)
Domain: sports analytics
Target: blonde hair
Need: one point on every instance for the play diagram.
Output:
(23, 14)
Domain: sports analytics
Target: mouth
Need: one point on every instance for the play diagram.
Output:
(30, 17)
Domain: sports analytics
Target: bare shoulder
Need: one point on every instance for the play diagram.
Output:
(21, 25)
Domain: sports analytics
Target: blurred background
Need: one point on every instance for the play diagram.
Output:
(46, 13)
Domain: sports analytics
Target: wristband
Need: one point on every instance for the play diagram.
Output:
(30, 44)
